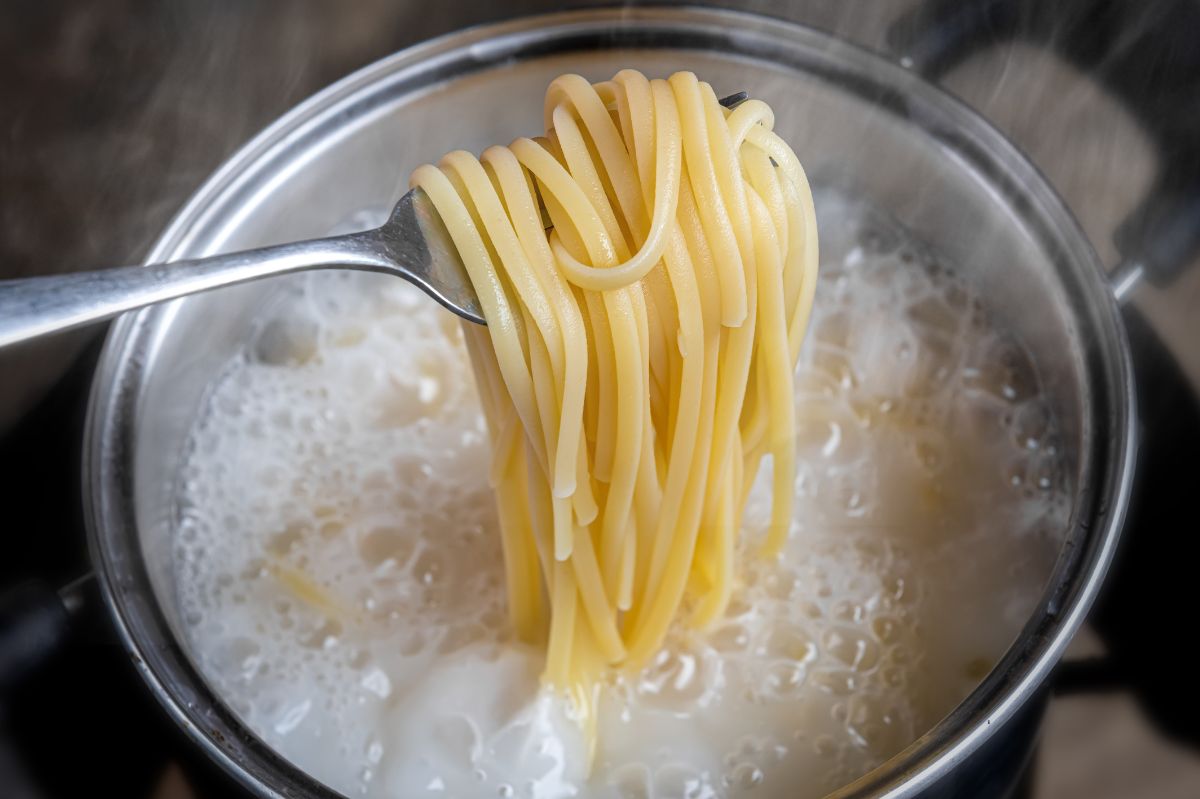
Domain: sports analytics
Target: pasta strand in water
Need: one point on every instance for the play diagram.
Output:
(637, 364)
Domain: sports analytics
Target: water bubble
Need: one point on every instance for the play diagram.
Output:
(886, 629)
(632, 781)
(747, 776)
(730, 638)
(851, 648)
(835, 682)
(790, 643)
(784, 680)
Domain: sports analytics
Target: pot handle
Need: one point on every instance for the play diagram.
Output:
(35, 623)
(1130, 48)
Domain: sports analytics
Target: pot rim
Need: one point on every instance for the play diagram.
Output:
(1077, 577)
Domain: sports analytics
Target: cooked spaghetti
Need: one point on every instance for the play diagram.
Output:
(636, 368)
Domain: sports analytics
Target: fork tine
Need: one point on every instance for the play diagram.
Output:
(734, 100)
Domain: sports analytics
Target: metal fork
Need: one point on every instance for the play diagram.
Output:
(412, 244)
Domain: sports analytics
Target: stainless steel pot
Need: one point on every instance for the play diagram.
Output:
(856, 120)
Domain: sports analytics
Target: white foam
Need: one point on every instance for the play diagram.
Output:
(346, 446)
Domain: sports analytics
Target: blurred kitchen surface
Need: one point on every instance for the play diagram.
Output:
(113, 111)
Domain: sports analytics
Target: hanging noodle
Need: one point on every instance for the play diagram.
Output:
(637, 363)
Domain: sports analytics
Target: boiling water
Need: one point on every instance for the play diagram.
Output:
(339, 571)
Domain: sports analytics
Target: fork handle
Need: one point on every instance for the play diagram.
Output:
(36, 306)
